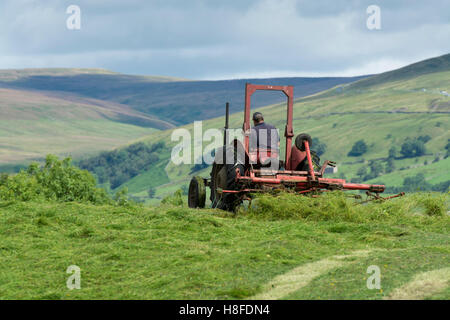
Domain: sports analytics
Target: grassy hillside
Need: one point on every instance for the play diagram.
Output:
(33, 124)
(20, 74)
(428, 66)
(84, 111)
(170, 99)
(169, 252)
(384, 115)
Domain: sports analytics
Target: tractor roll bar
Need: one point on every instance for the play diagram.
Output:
(288, 132)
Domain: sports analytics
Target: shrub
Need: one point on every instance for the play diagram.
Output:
(121, 197)
(175, 199)
(56, 180)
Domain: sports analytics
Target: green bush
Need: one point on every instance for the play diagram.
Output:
(121, 197)
(55, 180)
(175, 199)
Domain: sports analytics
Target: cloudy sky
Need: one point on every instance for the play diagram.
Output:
(217, 39)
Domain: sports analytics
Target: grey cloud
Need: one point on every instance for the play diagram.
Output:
(220, 39)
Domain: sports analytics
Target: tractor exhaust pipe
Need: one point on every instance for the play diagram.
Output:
(225, 131)
(227, 119)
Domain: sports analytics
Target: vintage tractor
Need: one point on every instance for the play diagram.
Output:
(237, 171)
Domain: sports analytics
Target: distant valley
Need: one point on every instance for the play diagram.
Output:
(80, 112)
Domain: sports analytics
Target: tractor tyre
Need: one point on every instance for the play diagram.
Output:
(218, 182)
(299, 141)
(197, 193)
(224, 177)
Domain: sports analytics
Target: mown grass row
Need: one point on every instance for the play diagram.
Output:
(173, 252)
(338, 206)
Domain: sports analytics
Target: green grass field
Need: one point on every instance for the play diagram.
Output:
(167, 252)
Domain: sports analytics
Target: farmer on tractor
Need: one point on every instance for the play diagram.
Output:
(264, 143)
(245, 171)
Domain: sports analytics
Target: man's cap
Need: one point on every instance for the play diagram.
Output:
(257, 116)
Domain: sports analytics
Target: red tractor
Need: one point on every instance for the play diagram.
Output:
(233, 181)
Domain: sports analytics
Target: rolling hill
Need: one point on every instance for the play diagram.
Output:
(383, 113)
(321, 247)
(34, 123)
(171, 100)
(79, 112)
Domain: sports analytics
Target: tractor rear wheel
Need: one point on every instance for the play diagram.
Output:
(197, 193)
(218, 182)
(224, 177)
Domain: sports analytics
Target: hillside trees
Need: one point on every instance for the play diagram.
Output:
(376, 168)
(390, 166)
(447, 147)
(418, 183)
(392, 152)
(318, 146)
(358, 149)
(361, 173)
(119, 166)
(414, 147)
(151, 193)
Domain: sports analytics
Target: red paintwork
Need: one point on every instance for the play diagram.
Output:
(308, 156)
(305, 182)
(301, 181)
(297, 157)
(288, 133)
